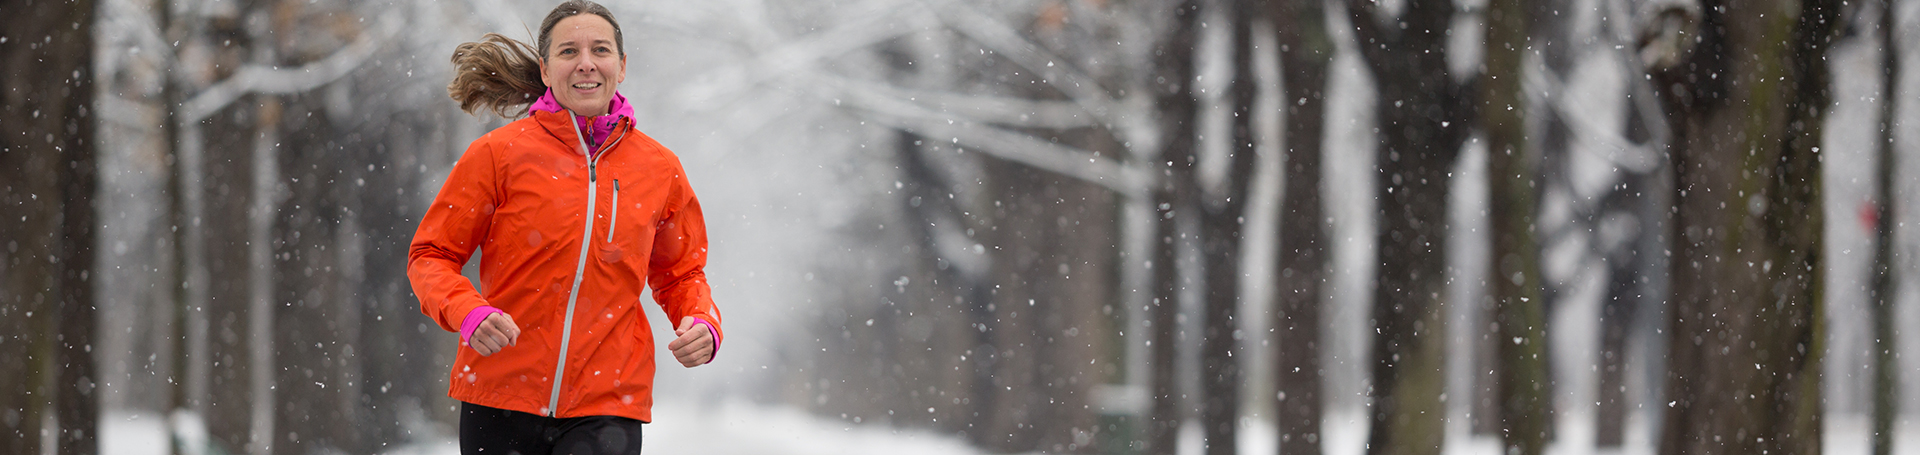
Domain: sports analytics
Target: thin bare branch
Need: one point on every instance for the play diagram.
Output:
(1056, 71)
(897, 111)
(1637, 158)
(721, 86)
(267, 79)
(1021, 148)
(888, 110)
(980, 108)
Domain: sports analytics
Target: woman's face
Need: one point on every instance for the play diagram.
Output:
(583, 64)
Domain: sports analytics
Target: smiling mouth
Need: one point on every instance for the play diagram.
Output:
(587, 85)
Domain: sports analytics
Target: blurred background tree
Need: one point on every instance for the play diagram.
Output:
(1746, 101)
(49, 401)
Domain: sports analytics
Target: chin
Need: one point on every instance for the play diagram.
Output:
(586, 105)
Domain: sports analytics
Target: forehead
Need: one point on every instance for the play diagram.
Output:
(582, 28)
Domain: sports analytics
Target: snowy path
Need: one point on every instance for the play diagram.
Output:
(744, 428)
(727, 429)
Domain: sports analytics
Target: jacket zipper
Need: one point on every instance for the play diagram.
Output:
(580, 270)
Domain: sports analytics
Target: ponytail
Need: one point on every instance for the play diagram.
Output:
(498, 74)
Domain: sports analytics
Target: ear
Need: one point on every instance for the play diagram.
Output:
(623, 71)
(543, 74)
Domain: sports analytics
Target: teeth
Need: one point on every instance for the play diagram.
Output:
(587, 85)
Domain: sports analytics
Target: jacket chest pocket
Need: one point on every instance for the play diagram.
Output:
(629, 225)
(613, 218)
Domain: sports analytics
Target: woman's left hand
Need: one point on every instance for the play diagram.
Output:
(693, 344)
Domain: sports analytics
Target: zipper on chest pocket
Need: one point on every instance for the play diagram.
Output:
(614, 220)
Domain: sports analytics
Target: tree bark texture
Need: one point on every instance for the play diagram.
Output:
(1747, 105)
(1305, 50)
(1524, 386)
(229, 380)
(1886, 374)
(1422, 116)
(48, 177)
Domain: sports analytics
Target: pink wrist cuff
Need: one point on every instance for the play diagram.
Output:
(473, 320)
(716, 338)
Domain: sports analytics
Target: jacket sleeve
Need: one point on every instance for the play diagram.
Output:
(453, 227)
(677, 269)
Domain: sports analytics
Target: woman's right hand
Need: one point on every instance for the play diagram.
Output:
(495, 333)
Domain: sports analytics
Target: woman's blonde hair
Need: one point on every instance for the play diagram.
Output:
(502, 75)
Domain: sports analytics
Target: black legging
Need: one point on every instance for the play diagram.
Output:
(493, 431)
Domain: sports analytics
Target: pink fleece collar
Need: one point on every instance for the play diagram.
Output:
(598, 127)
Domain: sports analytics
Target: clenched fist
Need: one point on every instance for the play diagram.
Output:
(495, 333)
(692, 345)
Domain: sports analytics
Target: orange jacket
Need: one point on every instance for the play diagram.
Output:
(567, 243)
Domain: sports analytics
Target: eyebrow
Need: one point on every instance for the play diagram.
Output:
(570, 43)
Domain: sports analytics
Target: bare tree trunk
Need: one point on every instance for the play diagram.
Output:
(1422, 116)
(1046, 289)
(1886, 375)
(1305, 50)
(394, 355)
(229, 376)
(1631, 296)
(958, 290)
(261, 279)
(316, 381)
(1038, 307)
(192, 369)
(1524, 390)
(48, 168)
(1173, 83)
(1221, 219)
(1747, 327)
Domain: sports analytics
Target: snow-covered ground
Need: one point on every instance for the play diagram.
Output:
(727, 428)
(739, 427)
